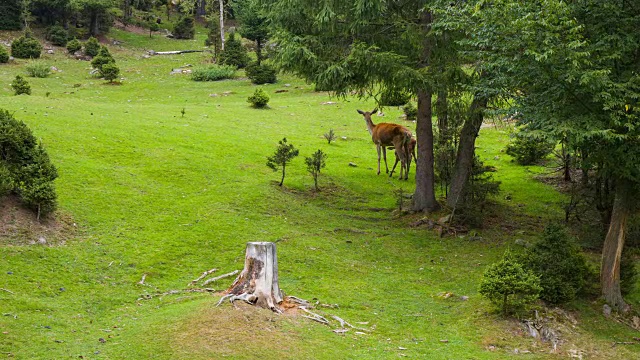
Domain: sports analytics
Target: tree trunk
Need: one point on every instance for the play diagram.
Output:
(283, 170)
(221, 25)
(443, 118)
(466, 150)
(612, 248)
(259, 51)
(424, 198)
(258, 282)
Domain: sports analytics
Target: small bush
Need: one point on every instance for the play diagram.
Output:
(213, 73)
(26, 47)
(410, 111)
(38, 70)
(20, 86)
(110, 72)
(73, 46)
(4, 55)
(261, 74)
(104, 57)
(557, 261)
(330, 136)
(393, 97)
(475, 197)
(234, 53)
(57, 35)
(315, 163)
(184, 28)
(91, 47)
(281, 157)
(259, 99)
(527, 150)
(509, 285)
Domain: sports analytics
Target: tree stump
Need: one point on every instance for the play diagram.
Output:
(257, 284)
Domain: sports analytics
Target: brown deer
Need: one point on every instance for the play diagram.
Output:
(405, 164)
(388, 134)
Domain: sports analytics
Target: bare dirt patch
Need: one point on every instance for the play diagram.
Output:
(244, 332)
(19, 226)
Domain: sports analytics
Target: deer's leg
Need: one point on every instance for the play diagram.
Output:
(378, 148)
(394, 166)
(384, 154)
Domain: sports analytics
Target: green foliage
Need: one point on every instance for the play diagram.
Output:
(261, 73)
(38, 69)
(73, 46)
(330, 136)
(509, 285)
(153, 26)
(259, 99)
(26, 47)
(213, 73)
(558, 262)
(282, 156)
(410, 111)
(4, 55)
(20, 86)
(475, 197)
(104, 57)
(528, 150)
(185, 28)
(234, 53)
(26, 164)
(315, 163)
(628, 272)
(110, 71)
(393, 97)
(10, 15)
(92, 47)
(253, 24)
(57, 35)
(213, 36)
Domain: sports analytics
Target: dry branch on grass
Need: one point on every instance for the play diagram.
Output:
(209, 281)
(173, 292)
(9, 291)
(204, 274)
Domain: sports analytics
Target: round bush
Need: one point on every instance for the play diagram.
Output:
(410, 111)
(104, 57)
(184, 28)
(73, 46)
(259, 99)
(393, 98)
(20, 86)
(91, 47)
(261, 74)
(527, 150)
(234, 53)
(4, 55)
(57, 35)
(26, 48)
(110, 71)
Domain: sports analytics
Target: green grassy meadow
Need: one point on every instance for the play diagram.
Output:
(153, 192)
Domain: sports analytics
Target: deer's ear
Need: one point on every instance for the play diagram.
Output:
(360, 112)
(374, 111)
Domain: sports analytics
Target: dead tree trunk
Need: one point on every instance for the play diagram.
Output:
(257, 284)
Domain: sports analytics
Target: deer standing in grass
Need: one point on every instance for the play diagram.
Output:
(388, 134)
(405, 165)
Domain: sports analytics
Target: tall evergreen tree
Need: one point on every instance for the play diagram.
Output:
(11, 15)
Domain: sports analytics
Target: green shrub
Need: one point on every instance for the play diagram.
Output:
(392, 97)
(628, 272)
(104, 57)
(73, 46)
(281, 157)
(213, 73)
(234, 53)
(528, 150)
(510, 286)
(38, 70)
(259, 99)
(110, 72)
(261, 74)
(20, 86)
(558, 262)
(91, 47)
(184, 28)
(315, 163)
(410, 111)
(4, 55)
(25, 166)
(10, 14)
(26, 47)
(475, 197)
(57, 35)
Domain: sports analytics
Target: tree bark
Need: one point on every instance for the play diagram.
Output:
(258, 282)
(612, 248)
(221, 24)
(424, 198)
(466, 150)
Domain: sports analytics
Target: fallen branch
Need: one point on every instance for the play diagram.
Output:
(314, 316)
(9, 291)
(204, 274)
(209, 281)
(173, 52)
(320, 320)
(141, 282)
(624, 343)
(172, 292)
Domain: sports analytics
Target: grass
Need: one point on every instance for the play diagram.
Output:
(156, 192)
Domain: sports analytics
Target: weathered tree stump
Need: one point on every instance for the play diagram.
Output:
(257, 284)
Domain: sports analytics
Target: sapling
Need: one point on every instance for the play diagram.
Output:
(315, 163)
(282, 156)
(330, 136)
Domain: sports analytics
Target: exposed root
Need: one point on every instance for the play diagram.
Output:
(204, 274)
(172, 292)
(209, 281)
